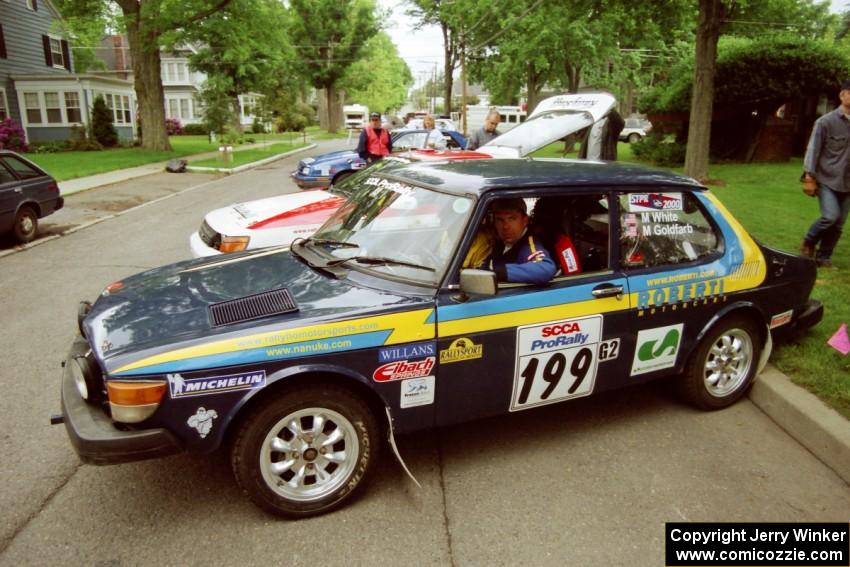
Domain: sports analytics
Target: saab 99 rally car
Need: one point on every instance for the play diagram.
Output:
(302, 361)
(279, 220)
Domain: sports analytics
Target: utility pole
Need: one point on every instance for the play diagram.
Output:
(463, 85)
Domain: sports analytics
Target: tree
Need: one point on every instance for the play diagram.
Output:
(380, 79)
(145, 22)
(240, 56)
(102, 130)
(330, 35)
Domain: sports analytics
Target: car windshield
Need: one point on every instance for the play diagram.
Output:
(540, 130)
(395, 229)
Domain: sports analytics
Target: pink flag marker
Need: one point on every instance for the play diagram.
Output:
(840, 341)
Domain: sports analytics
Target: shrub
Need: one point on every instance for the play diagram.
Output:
(50, 147)
(12, 136)
(257, 127)
(173, 126)
(660, 149)
(102, 130)
(196, 129)
(81, 141)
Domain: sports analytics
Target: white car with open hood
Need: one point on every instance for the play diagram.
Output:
(279, 220)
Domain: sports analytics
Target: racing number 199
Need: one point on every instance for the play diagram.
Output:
(553, 371)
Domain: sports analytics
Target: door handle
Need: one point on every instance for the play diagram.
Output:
(607, 290)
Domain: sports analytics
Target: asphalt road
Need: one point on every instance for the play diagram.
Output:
(590, 482)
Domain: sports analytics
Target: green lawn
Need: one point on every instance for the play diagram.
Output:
(316, 133)
(767, 199)
(70, 165)
(247, 156)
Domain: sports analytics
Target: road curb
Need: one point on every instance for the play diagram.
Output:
(247, 166)
(813, 424)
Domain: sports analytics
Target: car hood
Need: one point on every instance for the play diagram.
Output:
(294, 209)
(330, 156)
(168, 309)
(553, 119)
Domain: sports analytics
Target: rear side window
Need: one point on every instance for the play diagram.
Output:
(23, 170)
(5, 175)
(659, 229)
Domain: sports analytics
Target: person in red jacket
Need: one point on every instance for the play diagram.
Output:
(375, 142)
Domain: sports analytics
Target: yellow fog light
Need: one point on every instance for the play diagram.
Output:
(132, 402)
(234, 244)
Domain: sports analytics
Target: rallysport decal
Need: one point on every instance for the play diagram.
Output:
(656, 349)
(461, 349)
(556, 361)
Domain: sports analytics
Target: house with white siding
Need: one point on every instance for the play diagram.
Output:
(38, 86)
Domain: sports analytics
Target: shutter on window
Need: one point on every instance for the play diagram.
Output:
(66, 54)
(35, 5)
(48, 57)
(2, 44)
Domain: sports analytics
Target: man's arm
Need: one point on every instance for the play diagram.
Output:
(472, 143)
(389, 141)
(810, 163)
(534, 265)
(361, 145)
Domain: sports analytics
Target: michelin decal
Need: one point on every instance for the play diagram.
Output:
(181, 387)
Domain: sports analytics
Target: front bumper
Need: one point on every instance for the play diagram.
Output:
(199, 247)
(94, 435)
(307, 182)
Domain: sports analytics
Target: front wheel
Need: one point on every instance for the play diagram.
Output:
(306, 452)
(723, 365)
(342, 176)
(634, 138)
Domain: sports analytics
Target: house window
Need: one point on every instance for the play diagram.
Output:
(184, 109)
(4, 107)
(172, 108)
(248, 105)
(54, 111)
(33, 108)
(56, 52)
(32, 5)
(72, 107)
(126, 107)
(120, 107)
(182, 69)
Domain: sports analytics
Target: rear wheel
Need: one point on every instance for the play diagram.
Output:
(723, 365)
(306, 452)
(26, 225)
(634, 138)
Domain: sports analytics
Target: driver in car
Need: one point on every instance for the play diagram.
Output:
(517, 256)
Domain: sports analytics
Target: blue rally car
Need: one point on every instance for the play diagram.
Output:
(302, 361)
(331, 168)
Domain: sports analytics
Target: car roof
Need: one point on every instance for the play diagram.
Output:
(477, 177)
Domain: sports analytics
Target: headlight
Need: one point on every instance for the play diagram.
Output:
(305, 170)
(86, 377)
(234, 244)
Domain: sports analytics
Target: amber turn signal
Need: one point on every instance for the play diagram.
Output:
(233, 244)
(132, 402)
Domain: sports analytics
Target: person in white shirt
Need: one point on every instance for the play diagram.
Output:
(435, 138)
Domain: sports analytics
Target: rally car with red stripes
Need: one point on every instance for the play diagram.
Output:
(280, 219)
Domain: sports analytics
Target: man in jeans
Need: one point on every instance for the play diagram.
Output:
(827, 162)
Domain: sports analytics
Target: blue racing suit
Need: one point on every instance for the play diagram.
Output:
(527, 261)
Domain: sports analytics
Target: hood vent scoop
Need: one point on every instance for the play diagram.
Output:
(275, 302)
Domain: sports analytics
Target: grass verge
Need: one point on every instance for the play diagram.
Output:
(247, 156)
(766, 198)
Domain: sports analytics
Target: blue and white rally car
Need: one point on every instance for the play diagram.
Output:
(305, 360)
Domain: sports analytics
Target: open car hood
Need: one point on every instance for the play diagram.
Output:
(553, 119)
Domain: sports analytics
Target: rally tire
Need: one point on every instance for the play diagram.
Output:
(307, 451)
(633, 138)
(26, 225)
(724, 364)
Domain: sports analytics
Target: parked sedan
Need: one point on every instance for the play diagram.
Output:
(27, 193)
(635, 130)
(278, 220)
(331, 168)
(305, 361)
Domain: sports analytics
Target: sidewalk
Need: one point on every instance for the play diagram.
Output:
(72, 186)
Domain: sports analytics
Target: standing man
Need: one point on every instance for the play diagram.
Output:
(827, 163)
(487, 133)
(375, 142)
(434, 139)
(517, 256)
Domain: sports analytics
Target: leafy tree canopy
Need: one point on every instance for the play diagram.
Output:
(760, 71)
(379, 80)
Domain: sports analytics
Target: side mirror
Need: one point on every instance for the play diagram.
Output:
(478, 282)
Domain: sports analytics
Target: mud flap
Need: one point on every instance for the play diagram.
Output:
(391, 439)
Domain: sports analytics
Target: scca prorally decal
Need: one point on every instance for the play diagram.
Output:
(403, 369)
(202, 421)
(407, 352)
(185, 387)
